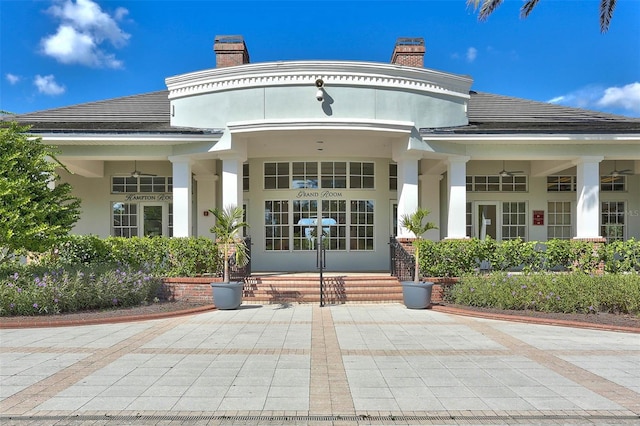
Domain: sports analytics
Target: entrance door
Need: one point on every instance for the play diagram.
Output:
(307, 215)
(486, 220)
(153, 220)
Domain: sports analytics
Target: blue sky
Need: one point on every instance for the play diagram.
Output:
(63, 52)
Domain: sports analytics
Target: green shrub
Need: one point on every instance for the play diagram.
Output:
(449, 258)
(160, 256)
(550, 292)
(192, 256)
(515, 255)
(621, 256)
(78, 250)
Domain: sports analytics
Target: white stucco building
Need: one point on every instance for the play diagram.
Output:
(356, 143)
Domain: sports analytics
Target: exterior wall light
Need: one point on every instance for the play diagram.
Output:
(320, 91)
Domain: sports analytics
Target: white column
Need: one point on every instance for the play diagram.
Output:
(182, 197)
(407, 191)
(430, 200)
(206, 200)
(588, 193)
(457, 198)
(232, 181)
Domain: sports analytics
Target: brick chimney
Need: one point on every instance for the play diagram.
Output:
(409, 52)
(230, 51)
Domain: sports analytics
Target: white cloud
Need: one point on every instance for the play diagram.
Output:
(472, 54)
(623, 100)
(626, 97)
(12, 78)
(47, 84)
(83, 32)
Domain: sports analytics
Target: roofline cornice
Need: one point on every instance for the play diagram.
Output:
(334, 73)
(123, 139)
(594, 138)
(392, 126)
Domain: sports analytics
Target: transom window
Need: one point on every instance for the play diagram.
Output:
(276, 176)
(561, 183)
(326, 174)
(393, 177)
(130, 184)
(360, 175)
(245, 177)
(612, 183)
(305, 174)
(334, 174)
(497, 183)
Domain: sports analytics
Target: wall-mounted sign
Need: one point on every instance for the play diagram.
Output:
(319, 194)
(538, 217)
(148, 197)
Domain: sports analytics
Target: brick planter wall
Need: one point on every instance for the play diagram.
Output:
(192, 289)
(439, 287)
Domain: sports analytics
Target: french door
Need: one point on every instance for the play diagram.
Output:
(154, 219)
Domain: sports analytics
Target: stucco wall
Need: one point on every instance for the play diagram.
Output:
(215, 110)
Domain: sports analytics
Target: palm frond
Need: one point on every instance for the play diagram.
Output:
(526, 8)
(606, 14)
(487, 8)
(229, 222)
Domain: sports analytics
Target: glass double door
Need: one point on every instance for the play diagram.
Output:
(313, 216)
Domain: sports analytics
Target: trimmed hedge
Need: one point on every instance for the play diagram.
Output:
(550, 292)
(455, 258)
(160, 256)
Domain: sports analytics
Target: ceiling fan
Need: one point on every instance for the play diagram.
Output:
(505, 173)
(615, 172)
(137, 173)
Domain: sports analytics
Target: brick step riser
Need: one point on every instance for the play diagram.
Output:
(302, 290)
(316, 299)
(326, 290)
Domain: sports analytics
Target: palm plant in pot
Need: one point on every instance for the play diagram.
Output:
(228, 227)
(417, 294)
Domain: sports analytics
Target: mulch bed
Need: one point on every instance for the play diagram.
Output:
(602, 318)
(106, 315)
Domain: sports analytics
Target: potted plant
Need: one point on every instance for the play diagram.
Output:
(229, 223)
(417, 294)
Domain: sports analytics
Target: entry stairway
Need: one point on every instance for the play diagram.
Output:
(345, 287)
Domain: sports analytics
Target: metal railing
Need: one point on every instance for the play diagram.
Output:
(402, 263)
(239, 273)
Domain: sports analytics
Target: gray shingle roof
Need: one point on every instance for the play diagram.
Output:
(488, 113)
(495, 113)
(148, 112)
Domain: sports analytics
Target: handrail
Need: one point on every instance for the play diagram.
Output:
(402, 262)
(240, 273)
